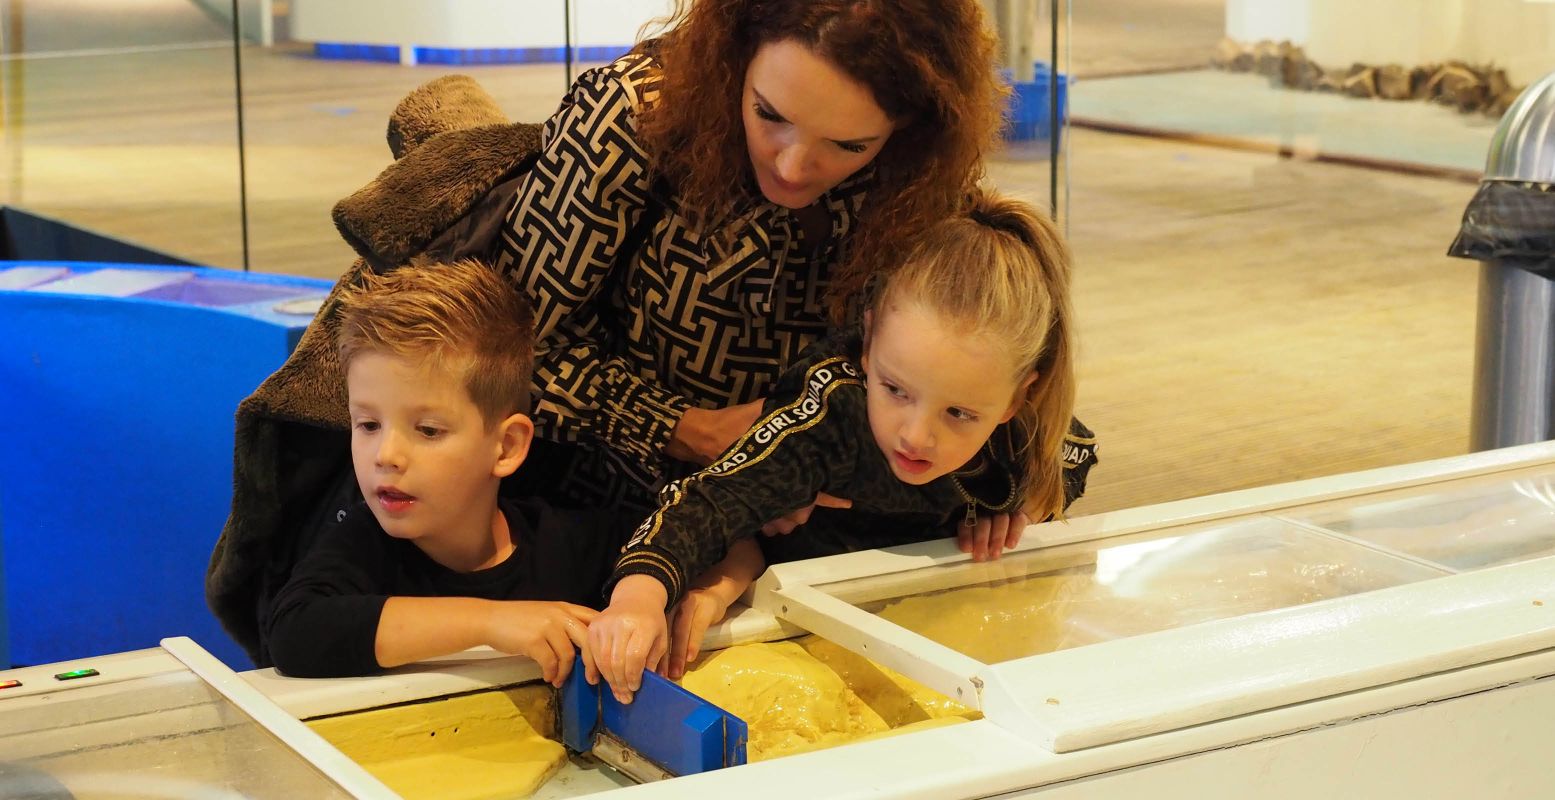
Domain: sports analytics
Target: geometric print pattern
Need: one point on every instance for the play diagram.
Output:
(628, 341)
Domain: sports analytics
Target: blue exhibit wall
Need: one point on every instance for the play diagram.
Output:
(116, 476)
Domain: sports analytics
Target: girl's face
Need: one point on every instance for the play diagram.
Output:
(935, 393)
(808, 125)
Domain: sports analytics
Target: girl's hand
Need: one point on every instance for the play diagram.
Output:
(704, 433)
(991, 535)
(543, 631)
(629, 636)
(697, 611)
(788, 522)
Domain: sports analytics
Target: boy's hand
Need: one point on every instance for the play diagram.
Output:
(698, 610)
(542, 630)
(786, 524)
(629, 636)
(991, 535)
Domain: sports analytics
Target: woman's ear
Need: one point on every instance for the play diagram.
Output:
(513, 437)
(1022, 394)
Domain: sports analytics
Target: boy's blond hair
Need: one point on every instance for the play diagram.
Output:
(461, 316)
(1001, 269)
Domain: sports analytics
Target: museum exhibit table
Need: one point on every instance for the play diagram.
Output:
(1385, 633)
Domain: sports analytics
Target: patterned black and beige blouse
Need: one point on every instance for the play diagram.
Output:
(627, 343)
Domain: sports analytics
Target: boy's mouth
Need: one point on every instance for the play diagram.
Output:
(394, 501)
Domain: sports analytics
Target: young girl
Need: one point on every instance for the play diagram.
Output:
(950, 406)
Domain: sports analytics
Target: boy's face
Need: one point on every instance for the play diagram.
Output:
(425, 459)
(935, 393)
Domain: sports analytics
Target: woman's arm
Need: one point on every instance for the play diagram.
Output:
(563, 241)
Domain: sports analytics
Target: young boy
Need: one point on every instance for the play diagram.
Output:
(437, 361)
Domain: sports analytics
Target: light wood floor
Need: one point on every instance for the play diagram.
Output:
(1245, 320)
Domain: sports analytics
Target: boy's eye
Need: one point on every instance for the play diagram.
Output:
(892, 389)
(367, 426)
(429, 431)
(767, 113)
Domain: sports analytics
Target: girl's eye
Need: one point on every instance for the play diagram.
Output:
(853, 147)
(893, 390)
(367, 426)
(767, 113)
(962, 415)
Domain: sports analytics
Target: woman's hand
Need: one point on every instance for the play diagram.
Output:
(786, 524)
(542, 630)
(991, 534)
(629, 636)
(704, 433)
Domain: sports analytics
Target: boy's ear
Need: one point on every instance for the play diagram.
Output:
(514, 435)
(1022, 394)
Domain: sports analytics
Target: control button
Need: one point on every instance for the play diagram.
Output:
(75, 673)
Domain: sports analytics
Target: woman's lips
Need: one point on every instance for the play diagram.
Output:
(908, 464)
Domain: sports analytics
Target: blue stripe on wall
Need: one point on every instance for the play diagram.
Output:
(459, 56)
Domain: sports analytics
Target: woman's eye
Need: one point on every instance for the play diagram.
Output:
(767, 113)
(853, 147)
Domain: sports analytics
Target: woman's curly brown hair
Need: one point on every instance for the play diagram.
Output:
(928, 63)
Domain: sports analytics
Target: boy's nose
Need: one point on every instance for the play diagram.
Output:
(391, 452)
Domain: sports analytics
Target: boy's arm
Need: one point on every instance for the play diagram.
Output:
(324, 621)
(418, 628)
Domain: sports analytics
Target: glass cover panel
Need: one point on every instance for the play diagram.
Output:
(161, 736)
(1463, 526)
(1062, 597)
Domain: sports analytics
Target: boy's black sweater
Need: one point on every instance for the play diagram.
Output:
(325, 620)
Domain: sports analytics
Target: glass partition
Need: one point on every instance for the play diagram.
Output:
(1465, 525)
(97, 742)
(120, 117)
(1053, 599)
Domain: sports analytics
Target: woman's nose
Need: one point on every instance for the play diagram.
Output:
(793, 163)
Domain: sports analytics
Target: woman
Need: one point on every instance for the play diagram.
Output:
(705, 204)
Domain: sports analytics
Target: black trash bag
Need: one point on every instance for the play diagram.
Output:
(1512, 223)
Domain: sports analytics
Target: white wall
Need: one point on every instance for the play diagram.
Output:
(471, 23)
(1518, 35)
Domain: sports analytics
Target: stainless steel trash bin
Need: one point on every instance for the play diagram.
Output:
(1509, 227)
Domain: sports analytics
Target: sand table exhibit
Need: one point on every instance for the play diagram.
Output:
(810, 694)
(496, 744)
(994, 623)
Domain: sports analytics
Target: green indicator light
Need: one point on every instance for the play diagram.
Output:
(9, 684)
(75, 673)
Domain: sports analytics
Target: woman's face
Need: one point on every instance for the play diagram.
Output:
(808, 124)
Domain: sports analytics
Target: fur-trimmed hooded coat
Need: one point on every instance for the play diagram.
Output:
(443, 198)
